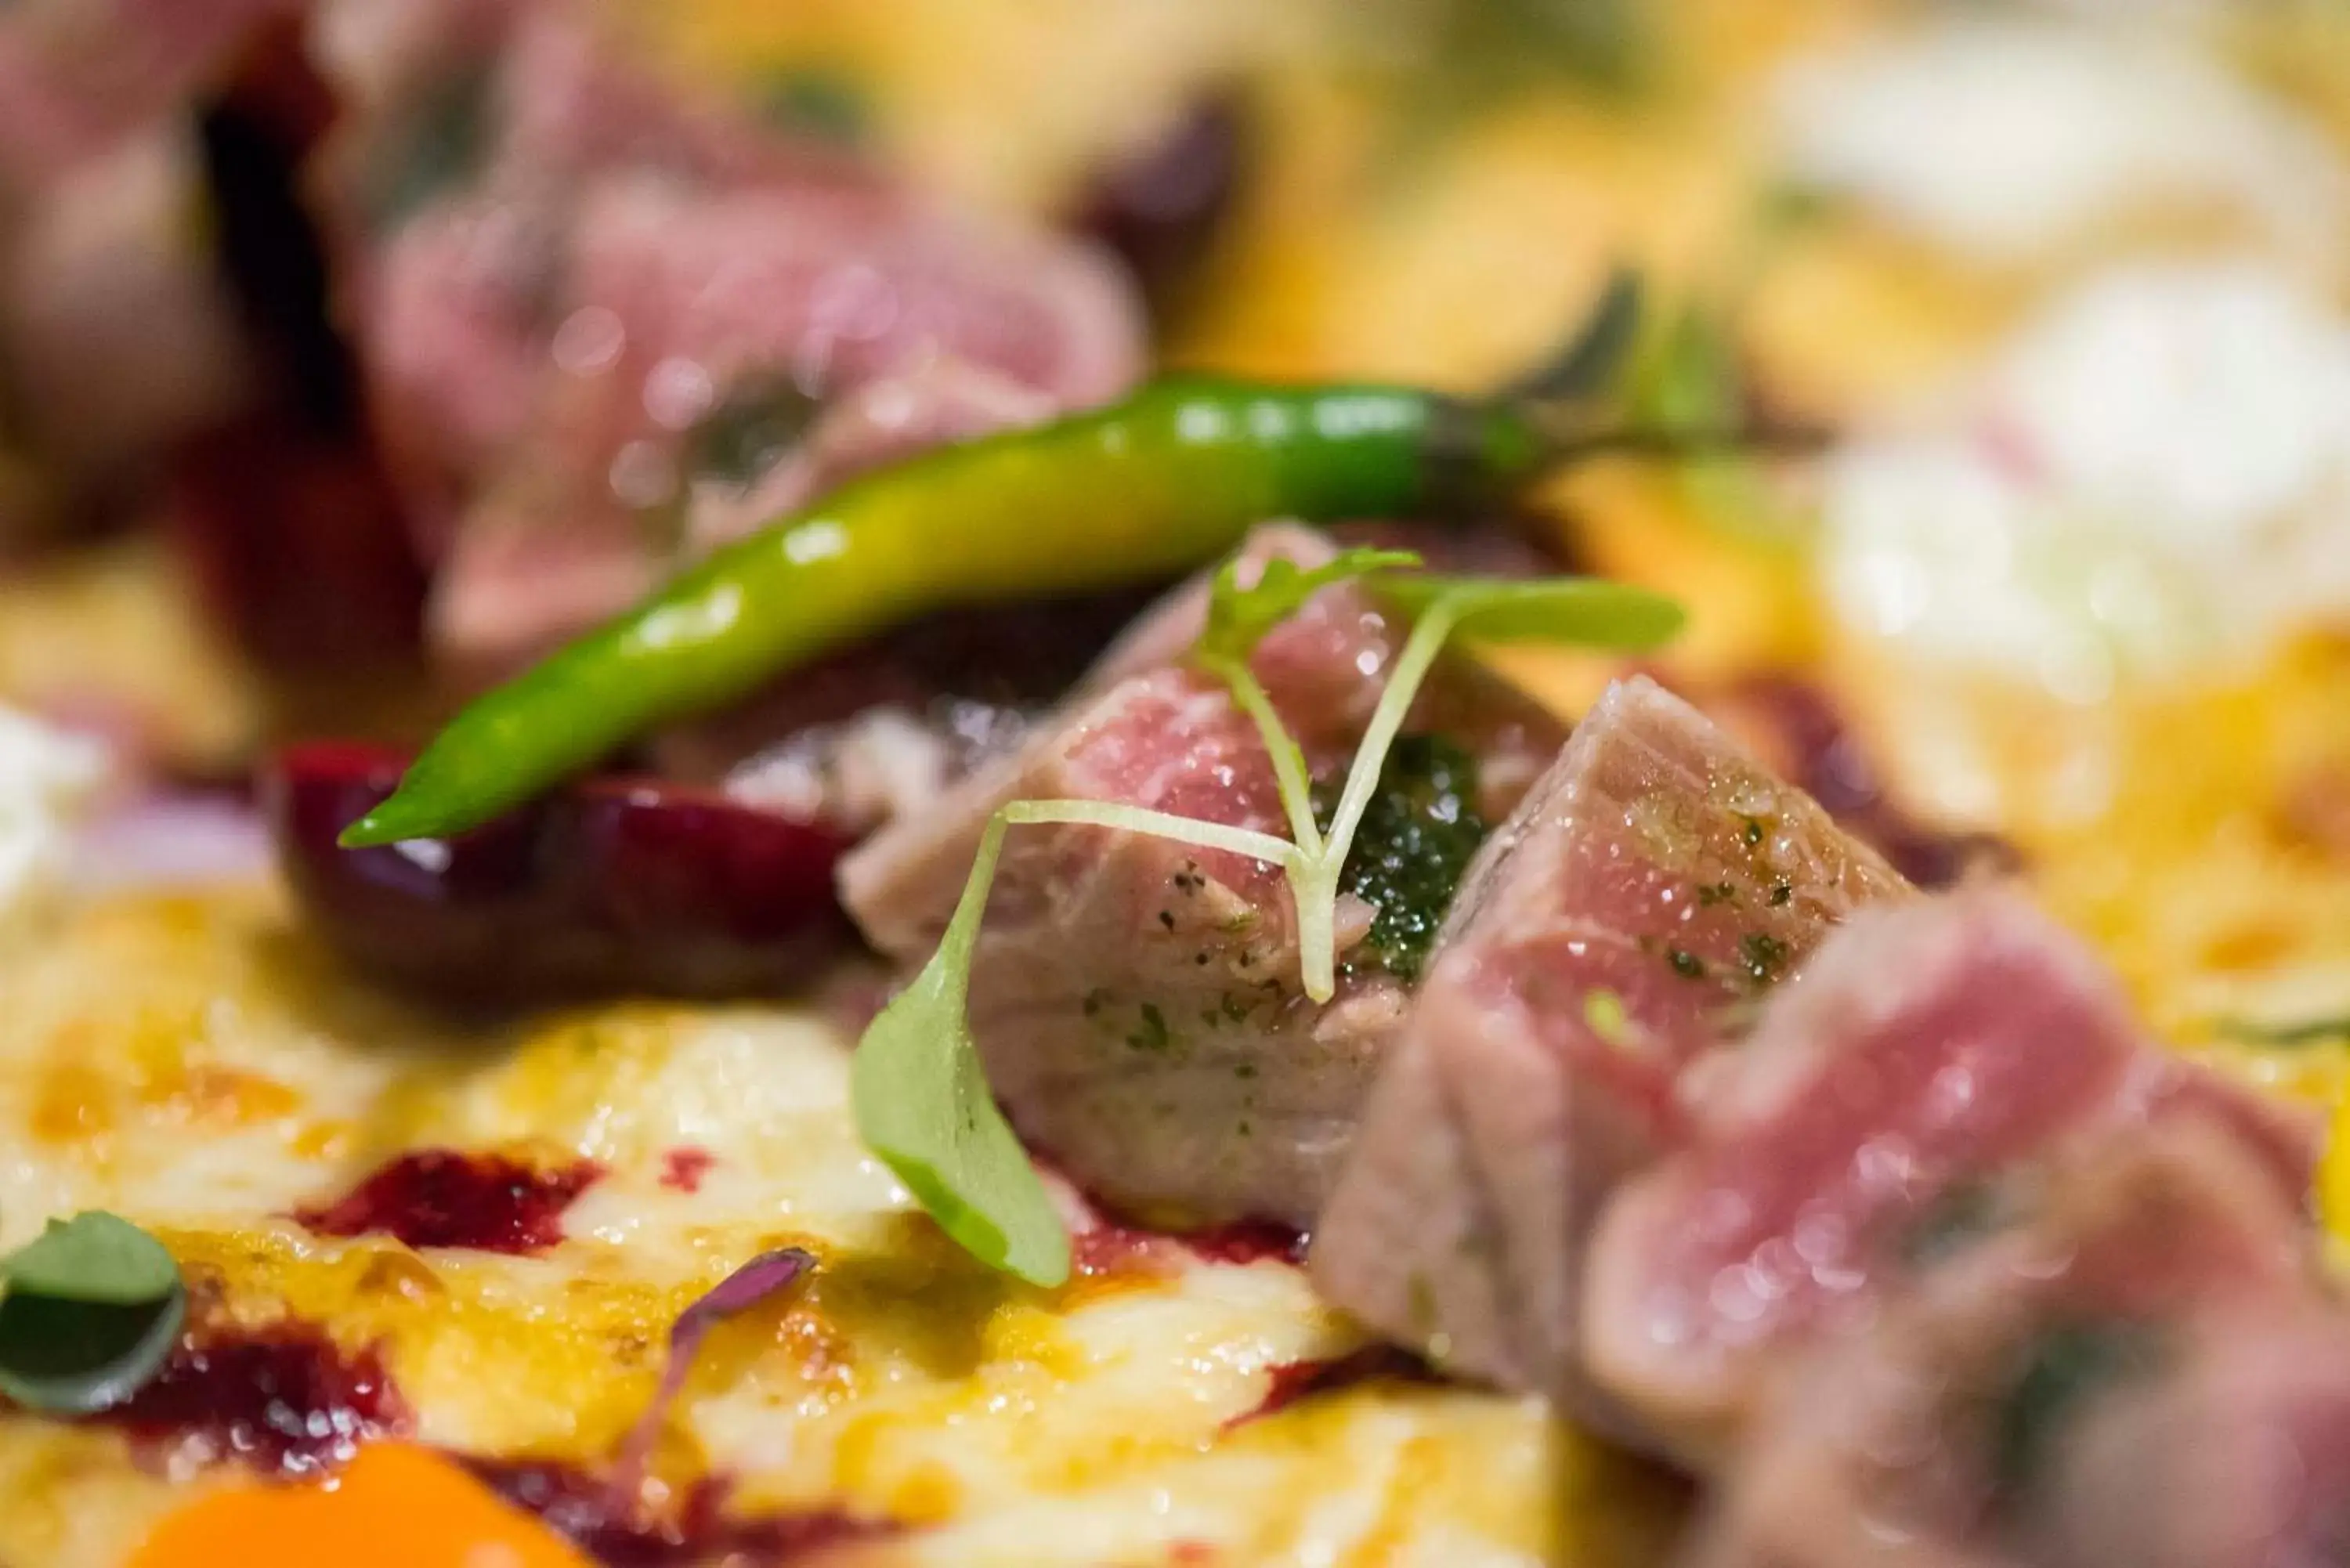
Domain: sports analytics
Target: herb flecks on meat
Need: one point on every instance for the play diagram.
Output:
(1418, 836)
(2064, 1367)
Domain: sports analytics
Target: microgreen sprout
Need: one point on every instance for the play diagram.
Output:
(917, 1084)
(90, 1309)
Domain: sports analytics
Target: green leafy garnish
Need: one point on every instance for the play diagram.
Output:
(1239, 618)
(745, 436)
(1417, 838)
(1576, 610)
(93, 1307)
(2064, 1368)
(443, 144)
(917, 1084)
(919, 1090)
(2297, 1032)
(816, 102)
(93, 1257)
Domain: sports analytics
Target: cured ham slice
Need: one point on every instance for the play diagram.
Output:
(1650, 891)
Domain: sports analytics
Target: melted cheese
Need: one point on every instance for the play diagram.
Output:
(197, 1064)
(2006, 140)
(46, 778)
(2154, 476)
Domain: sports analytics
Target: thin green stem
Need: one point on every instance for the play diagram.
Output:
(1288, 762)
(1245, 841)
(1316, 884)
(1411, 668)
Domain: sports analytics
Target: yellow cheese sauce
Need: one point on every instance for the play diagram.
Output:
(195, 1064)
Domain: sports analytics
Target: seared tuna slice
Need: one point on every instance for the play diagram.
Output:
(2239, 1457)
(1926, 1051)
(1136, 1001)
(79, 77)
(1961, 1425)
(1651, 889)
(767, 344)
(606, 323)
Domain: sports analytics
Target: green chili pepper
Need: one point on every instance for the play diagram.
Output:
(1163, 482)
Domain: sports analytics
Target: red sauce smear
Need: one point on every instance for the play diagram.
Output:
(1291, 1381)
(438, 1197)
(683, 1168)
(285, 1400)
(1110, 1247)
(584, 1508)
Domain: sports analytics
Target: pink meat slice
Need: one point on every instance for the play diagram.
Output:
(1960, 1427)
(2238, 1457)
(617, 263)
(1136, 1001)
(912, 327)
(1652, 888)
(1926, 1050)
(458, 305)
(79, 77)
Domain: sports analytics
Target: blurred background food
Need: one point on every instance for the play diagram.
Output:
(2064, 280)
(317, 409)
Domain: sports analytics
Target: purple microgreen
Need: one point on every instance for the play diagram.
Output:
(762, 1277)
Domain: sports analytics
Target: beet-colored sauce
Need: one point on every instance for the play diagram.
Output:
(1248, 1242)
(1293, 1380)
(440, 1198)
(285, 1400)
(1110, 1247)
(683, 1168)
(585, 1509)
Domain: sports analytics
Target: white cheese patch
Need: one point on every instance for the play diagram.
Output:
(2154, 477)
(47, 778)
(2005, 140)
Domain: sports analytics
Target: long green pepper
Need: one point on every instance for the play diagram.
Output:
(1170, 478)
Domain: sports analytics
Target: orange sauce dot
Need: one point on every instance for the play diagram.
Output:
(394, 1506)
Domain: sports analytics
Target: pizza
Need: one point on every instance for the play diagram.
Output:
(1442, 782)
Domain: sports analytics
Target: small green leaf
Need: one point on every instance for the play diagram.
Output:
(2296, 1032)
(816, 102)
(1239, 618)
(922, 1105)
(93, 1257)
(71, 1357)
(1590, 364)
(440, 147)
(1690, 379)
(1580, 610)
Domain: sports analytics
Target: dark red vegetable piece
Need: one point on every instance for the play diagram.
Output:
(285, 509)
(610, 885)
(1162, 207)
